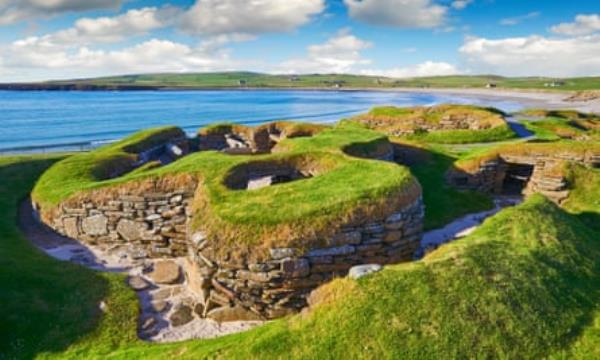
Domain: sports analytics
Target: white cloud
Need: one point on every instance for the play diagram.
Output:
(583, 25)
(519, 19)
(112, 29)
(461, 4)
(34, 58)
(398, 13)
(428, 68)
(534, 55)
(339, 54)
(12, 11)
(249, 16)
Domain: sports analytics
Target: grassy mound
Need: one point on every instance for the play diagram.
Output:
(445, 124)
(349, 188)
(580, 149)
(562, 124)
(524, 285)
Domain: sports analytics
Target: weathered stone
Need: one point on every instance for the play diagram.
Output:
(148, 323)
(262, 277)
(332, 251)
(199, 309)
(295, 268)
(281, 253)
(165, 272)
(234, 313)
(353, 237)
(153, 217)
(95, 225)
(181, 316)
(71, 228)
(137, 283)
(362, 270)
(392, 236)
(131, 230)
(159, 306)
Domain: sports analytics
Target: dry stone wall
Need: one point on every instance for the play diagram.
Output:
(144, 226)
(490, 175)
(281, 284)
(155, 225)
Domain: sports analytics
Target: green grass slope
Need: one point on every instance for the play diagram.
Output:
(526, 284)
(250, 79)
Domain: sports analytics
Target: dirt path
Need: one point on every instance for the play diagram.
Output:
(158, 302)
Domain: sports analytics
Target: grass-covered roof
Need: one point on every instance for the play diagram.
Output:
(346, 188)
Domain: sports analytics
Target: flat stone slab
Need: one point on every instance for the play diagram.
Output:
(359, 271)
(137, 283)
(165, 272)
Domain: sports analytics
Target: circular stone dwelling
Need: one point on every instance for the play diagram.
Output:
(261, 215)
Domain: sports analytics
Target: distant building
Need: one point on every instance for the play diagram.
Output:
(294, 78)
(242, 82)
(555, 84)
(491, 85)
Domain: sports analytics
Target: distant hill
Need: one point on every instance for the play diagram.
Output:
(228, 80)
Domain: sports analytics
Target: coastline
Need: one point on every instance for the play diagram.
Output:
(531, 98)
(546, 99)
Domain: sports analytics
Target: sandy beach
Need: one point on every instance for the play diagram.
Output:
(529, 98)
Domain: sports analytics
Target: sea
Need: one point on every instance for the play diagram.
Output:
(46, 121)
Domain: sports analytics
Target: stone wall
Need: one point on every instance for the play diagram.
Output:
(489, 176)
(155, 225)
(280, 285)
(144, 226)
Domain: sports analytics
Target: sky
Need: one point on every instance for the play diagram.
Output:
(65, 39)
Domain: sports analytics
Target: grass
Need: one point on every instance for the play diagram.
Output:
(524, 285)
(424, 123)
(257, 80)
(562, 124)
(307, 210)
(443, 202)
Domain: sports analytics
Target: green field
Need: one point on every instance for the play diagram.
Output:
(499, 293)
(524, 285)
(258, 80)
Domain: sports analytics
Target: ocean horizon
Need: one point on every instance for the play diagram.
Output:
(40, 121)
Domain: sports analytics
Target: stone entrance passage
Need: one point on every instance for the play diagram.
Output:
(516, 178)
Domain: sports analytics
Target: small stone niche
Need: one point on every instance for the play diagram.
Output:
(259, 175)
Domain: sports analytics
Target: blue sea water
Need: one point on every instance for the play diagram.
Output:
(55, 120)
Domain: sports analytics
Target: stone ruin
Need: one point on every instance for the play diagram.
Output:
(511, 173)
(156, 224)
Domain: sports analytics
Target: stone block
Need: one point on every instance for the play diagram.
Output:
(95, 225)
(131, 230)
(295, 268)
(332, 251)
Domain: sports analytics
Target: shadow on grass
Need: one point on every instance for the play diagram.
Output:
(46, 305)
(443, 202)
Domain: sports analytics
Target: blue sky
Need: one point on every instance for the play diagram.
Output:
(54, 39)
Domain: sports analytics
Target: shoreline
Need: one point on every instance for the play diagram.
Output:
(545, 99)
(548, 99)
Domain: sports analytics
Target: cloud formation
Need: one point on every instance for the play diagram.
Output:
(533, 55)
(12, 11)
(583, 25)
(398, 13)
(34, 58)
(519, 19)
(249, 17)
(134, 22)
(427, 68)
(339, 54)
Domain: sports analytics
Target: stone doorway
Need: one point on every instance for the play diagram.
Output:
(516, 178)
